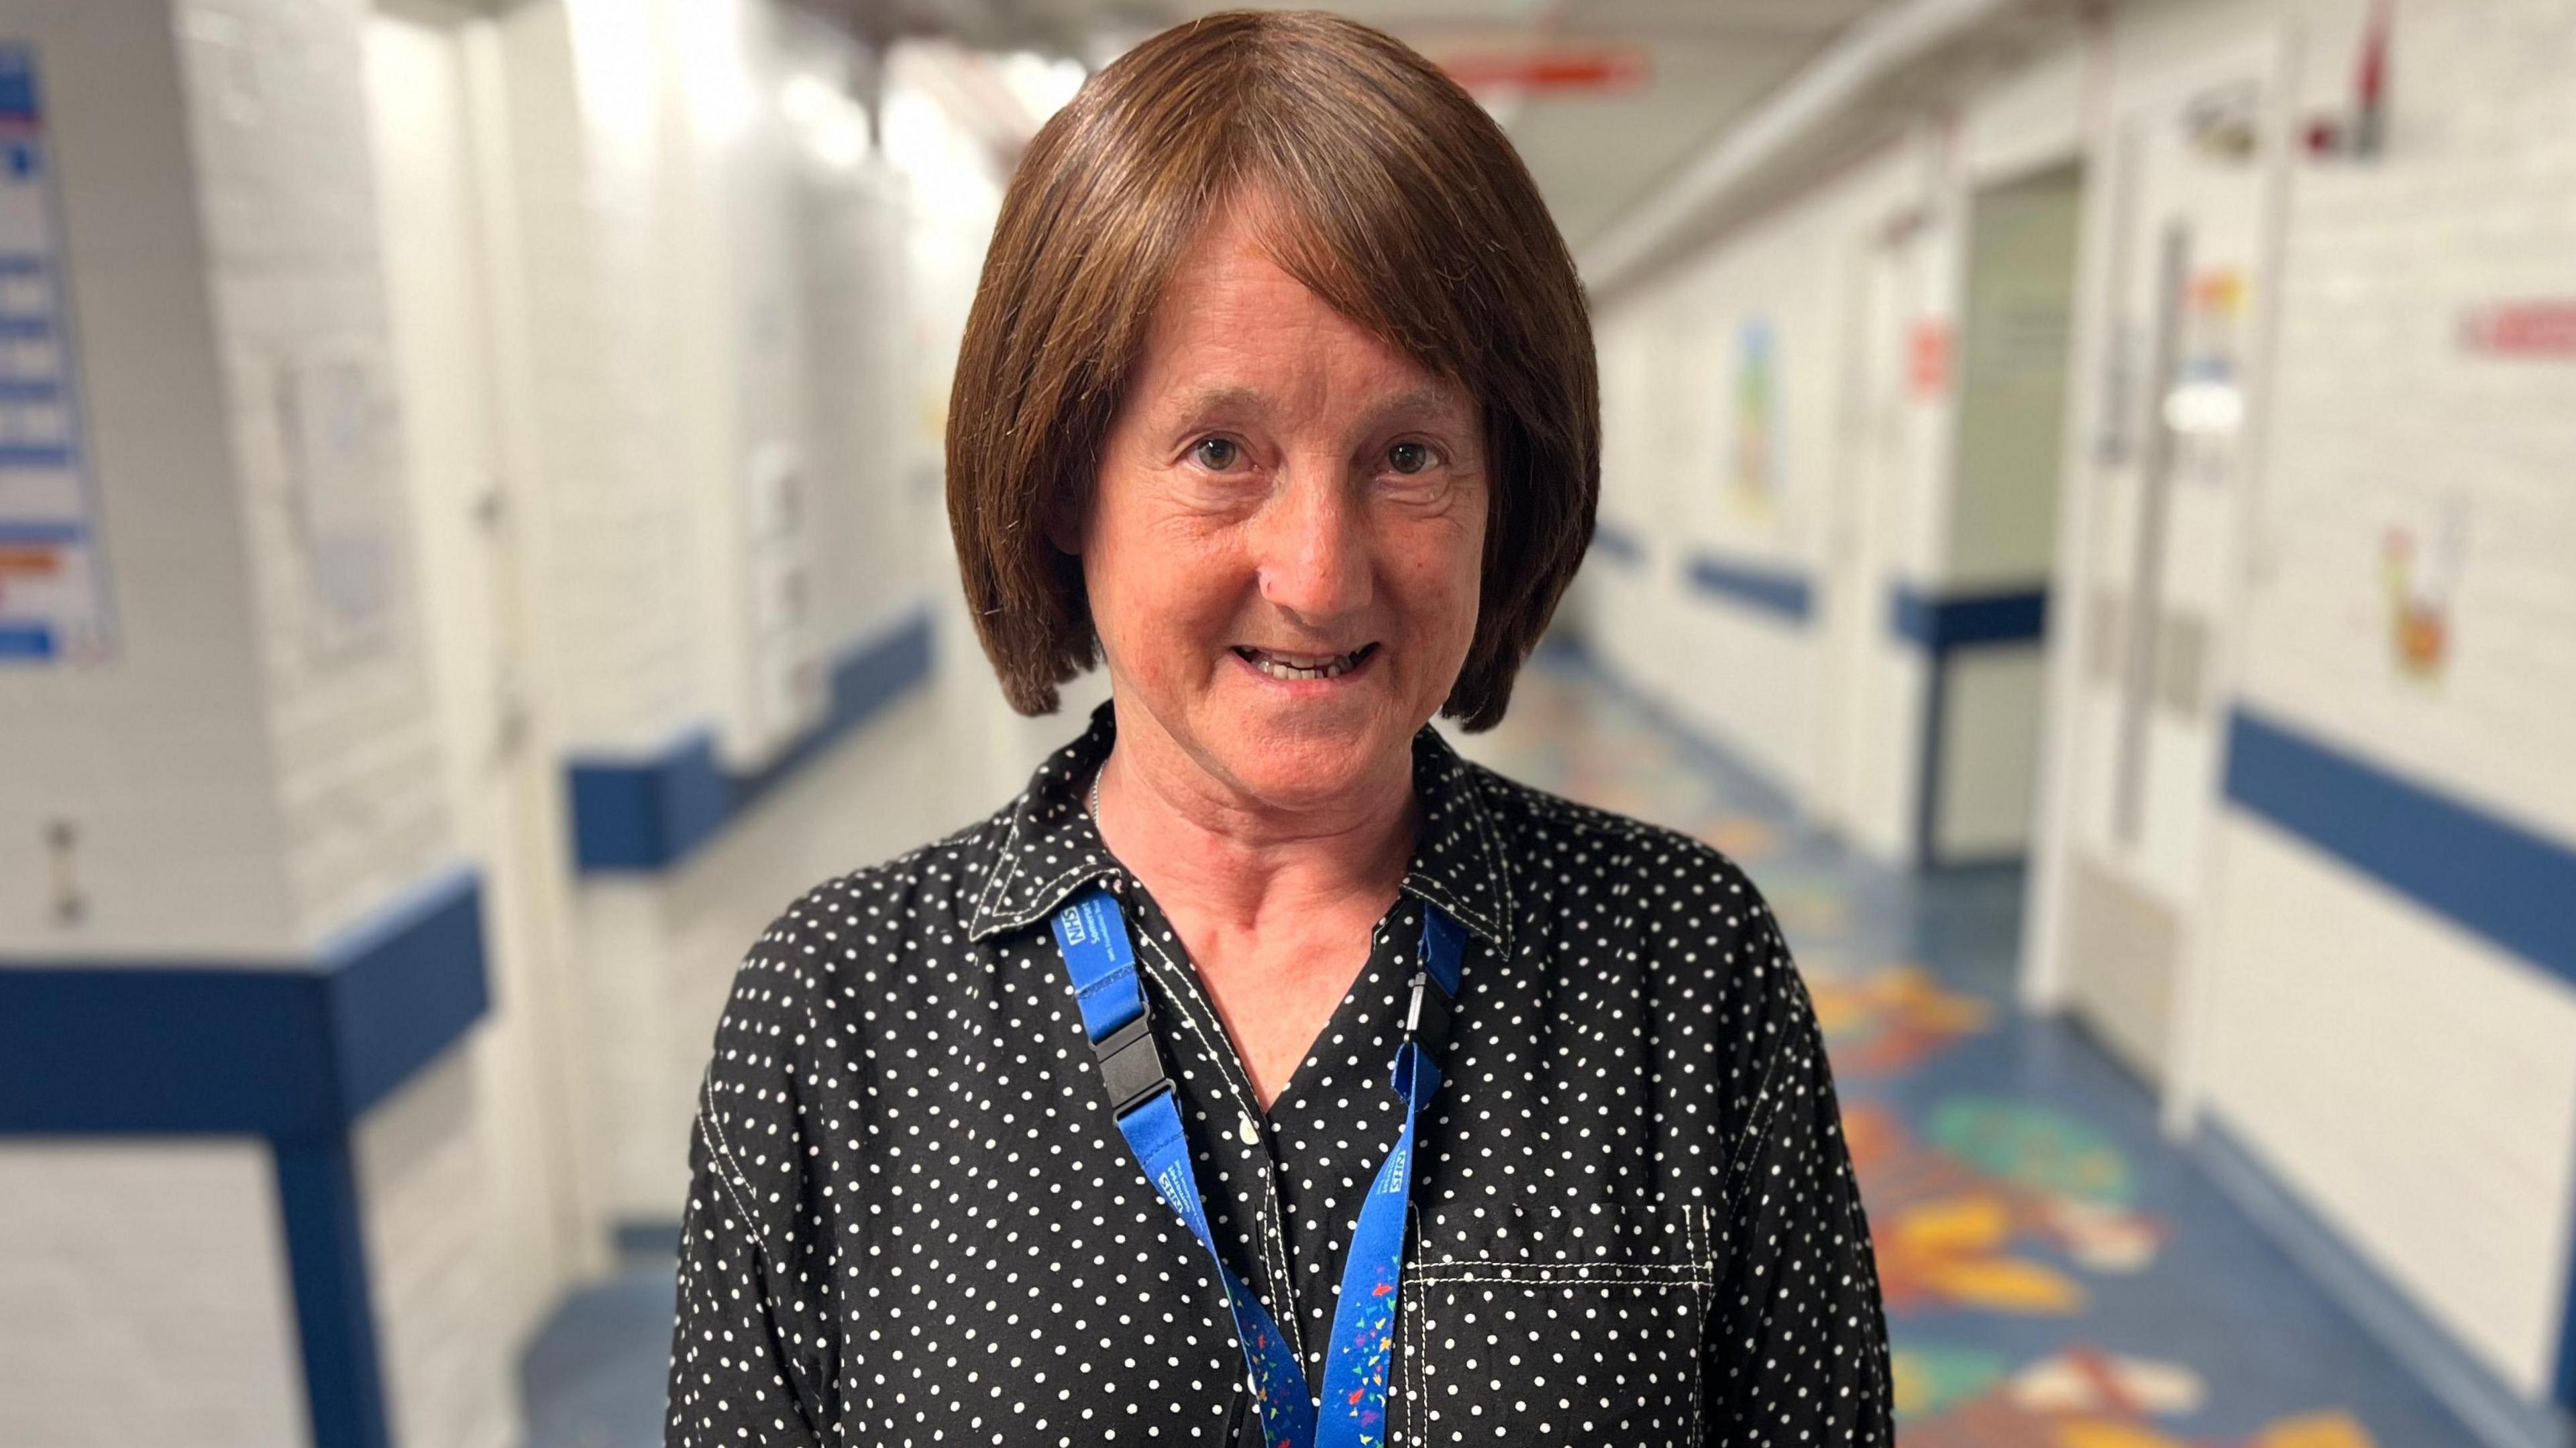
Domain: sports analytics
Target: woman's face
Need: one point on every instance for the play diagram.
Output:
(1286, 534)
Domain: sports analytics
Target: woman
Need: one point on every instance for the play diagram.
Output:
(1265, 1073)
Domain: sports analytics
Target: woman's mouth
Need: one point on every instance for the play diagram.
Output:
(1291, 667)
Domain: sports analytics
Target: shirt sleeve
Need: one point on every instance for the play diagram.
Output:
(1799, 1338)
(753, 1357)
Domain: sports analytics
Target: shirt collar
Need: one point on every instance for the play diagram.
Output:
(1052, 848)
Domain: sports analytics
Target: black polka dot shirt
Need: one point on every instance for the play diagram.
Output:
(913, 1219)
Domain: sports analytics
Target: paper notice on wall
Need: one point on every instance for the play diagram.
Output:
(337, 499)
(1756, 470)
(53, 583)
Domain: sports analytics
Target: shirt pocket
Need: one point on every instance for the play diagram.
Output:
(1550, 1335)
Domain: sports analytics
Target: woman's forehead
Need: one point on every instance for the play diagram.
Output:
(1235, 332)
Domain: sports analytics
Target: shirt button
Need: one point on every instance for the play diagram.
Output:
(1250, 1132)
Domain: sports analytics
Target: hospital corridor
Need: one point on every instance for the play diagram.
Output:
(2086, 524)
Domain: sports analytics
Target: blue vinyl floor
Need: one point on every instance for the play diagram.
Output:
(2057, 1275)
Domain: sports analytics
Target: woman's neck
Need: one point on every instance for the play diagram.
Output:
(1274, 904)
(1237, 863)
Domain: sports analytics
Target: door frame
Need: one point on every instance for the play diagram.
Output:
(2267, 54)
(527, 865)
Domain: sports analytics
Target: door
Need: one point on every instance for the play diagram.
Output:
(1863, 739)
(2161, 547)
(500, 786)
(1852, 604)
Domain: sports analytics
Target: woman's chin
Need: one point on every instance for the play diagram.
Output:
(1305, 754)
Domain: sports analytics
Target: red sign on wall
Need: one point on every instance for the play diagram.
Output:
(1927, 358)
(1558, 71)
(2521, 329)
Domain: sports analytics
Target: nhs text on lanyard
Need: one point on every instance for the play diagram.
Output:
(1092, 934)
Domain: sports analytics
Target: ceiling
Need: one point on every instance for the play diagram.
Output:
(1678, 73)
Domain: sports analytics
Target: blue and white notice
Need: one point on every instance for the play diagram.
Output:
(53, 585)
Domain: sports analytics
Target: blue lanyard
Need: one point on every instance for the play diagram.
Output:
(1092, 934)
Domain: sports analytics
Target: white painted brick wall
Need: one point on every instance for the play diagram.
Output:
(335, 749)
(143, 1298)
(703, 291)
(611, 542)
(450, 1356)
(2410, 1081)
(1669, 360)
(162, 758)
(891, 786)
(279, 119)
(2381, 419)
(276, 113)
(2413, 1081)
(2327, 990)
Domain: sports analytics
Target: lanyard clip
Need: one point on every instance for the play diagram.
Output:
(1426, 1020)
(1131, 1064)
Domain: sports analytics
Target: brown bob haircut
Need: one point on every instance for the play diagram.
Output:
(1399, 202)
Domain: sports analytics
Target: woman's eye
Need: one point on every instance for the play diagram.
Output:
(1409, 457)
(1217, 454)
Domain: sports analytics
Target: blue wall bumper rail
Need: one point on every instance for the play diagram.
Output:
(1941, 624)
(2482, 872)
(641, 815)
(1768, 587)
(1615, 542)
(293, 1051)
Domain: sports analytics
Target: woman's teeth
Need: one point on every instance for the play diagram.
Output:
(1279, 667)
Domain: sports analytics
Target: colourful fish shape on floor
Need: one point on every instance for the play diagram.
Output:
(1738, 837)
(1888, 1021)
(2035, 1147)
(1951, 1231)
(2079, 1397)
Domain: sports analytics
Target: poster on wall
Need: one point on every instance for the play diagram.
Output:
(337, 500)
(1755, 479)
(2206, 404)
(2421, 561)
(53, 582)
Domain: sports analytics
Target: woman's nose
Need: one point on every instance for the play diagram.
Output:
(1314, 551)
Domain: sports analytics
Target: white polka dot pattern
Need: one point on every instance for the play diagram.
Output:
(912, 1219)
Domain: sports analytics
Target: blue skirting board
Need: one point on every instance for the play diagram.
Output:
(642, 815)
(294, 1051)
(2432, 1355)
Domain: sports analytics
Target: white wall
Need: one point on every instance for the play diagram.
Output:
(287, 199)
(2413, 1081)
(2410, 1081)
(699, 260)
(185, 849)
(449, 1324)
(1870, 468)
(724, 264)
(257, 767)
(114, 1254)
(1672, 354)
(611, 545)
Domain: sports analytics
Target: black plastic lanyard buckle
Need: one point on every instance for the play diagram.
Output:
(1426, 1021)
(1131, 1064)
